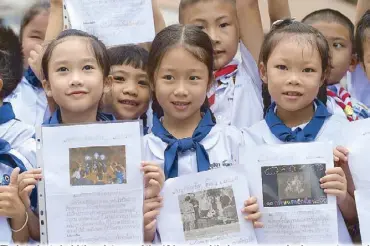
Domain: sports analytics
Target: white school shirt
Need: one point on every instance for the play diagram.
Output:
(29, 103)
(20, 137)
(334, 108)
(222, 145)
(358, 85)
(331, 131)
(5, 232)
(239, 104)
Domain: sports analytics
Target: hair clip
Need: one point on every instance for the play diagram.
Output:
(284, 22)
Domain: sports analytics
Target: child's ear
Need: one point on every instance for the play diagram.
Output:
(108, 84)
(263, 72)
(353, 64)
(47, 88)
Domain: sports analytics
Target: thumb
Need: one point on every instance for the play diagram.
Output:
(14, 177)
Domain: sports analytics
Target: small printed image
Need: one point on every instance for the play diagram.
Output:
(209, 213)
(98, 165)
(292, 185)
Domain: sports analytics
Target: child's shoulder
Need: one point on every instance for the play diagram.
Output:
(16, 132)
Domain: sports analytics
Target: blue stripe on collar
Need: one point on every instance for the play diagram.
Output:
(6, 113)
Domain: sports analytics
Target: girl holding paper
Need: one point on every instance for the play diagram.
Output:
(294, 64)
(186, 139)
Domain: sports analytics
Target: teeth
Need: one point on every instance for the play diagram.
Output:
(180, 103)
(293, 93)
(129, 102)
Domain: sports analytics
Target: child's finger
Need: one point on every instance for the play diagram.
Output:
(148, 163)
(342, 150)
(153, 175)
(150, 168)
(26, 182)
(334, 192)
(339, 155)
(257, 224)
(250, 201)
(333, 177)
(150, 216)
(28, 189)
(252, 217)
(154, 199)
(335, 170)
(251, 208)
(151, 225)
(152, 206)
(334, 185)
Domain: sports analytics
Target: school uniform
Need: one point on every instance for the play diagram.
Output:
(358, 85)
(56, 118)
(211, 146)
(323, 127)
(29, 100)
(235, 97)
(9, 160)
(18, 134)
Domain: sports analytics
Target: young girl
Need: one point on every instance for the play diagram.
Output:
(186, 139)
(130, 95)
(294, 63)
(76, 71)
(28, 99)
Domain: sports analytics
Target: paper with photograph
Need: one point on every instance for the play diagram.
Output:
(357, 140)
(363, 203)
(286, 181)
(115, 22)
(92, 191)
(205, 208)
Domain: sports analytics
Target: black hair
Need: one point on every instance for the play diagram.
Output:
(11, 61)
(331, 15)
(194, 40)
(132, 55)
(362, 35)
(35, 10)
(97, 46)
(289, 27)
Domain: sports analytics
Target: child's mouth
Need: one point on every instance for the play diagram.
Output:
(129, 102)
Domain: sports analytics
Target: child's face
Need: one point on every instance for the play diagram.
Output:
(130, 92)
(218, 19)
(75, 77)
(293, 74)
(34, 33)
(366, 50)
(340, 45)
(181, 87)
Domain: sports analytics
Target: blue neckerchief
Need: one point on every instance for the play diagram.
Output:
(181, 145)
(32, 78)
(56, 118)
(6, 113)
(145, 130)
(7, 158)
(307, 134)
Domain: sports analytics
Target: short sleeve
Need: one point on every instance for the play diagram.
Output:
(250, 66)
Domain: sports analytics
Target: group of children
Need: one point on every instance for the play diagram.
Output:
(201, 106)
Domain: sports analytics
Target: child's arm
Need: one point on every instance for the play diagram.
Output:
(11, 206)
(151, 211)
(251, 208)
(55, 25)
(250, 25)
(26, 183)
(335, 183)
(362, 7)
(278, 10)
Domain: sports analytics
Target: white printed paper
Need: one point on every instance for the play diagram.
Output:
(92, 191)
(363, 204)
(357, 142)
(115, 22)
(205, 208)
(285, 180)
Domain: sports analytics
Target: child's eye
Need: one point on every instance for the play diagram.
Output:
(88, 67)
(282, 67)
(223, 25)
(338, 46)
(308, 70)
(62, 69)
(143, 82)
(119, 78)
(168, 77)
(200, 27)
(193, 78)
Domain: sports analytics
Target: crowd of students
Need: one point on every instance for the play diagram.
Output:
(201, 106)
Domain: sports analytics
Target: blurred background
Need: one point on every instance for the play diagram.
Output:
(11, 11)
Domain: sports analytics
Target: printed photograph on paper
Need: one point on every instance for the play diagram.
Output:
(209, 213)
(97, 165)
(292, 185)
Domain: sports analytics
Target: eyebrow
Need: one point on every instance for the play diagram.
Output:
(84, 60)
(336, 38)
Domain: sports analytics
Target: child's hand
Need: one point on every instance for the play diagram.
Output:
(26, 183)
(56, 2)
(340, 155)
(335, 183)
(151, 211)
(34, 61)
(11, 205)
(153, 179)
(251, 208)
